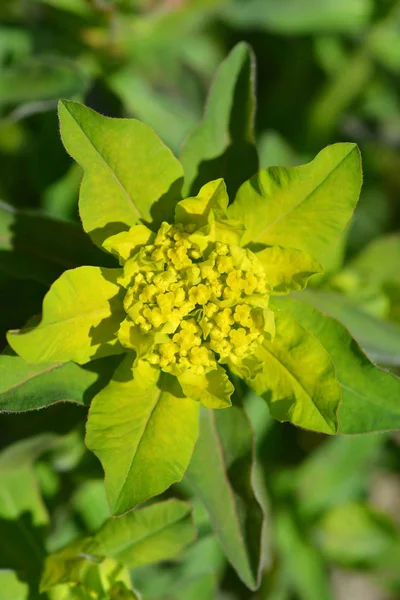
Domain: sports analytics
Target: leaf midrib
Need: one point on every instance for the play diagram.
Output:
(30, 377)
(150, 414)
(303, 200)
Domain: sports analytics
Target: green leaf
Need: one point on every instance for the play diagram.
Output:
(223, 144)
(36, 247)
(304, 207)
(81, 316)
(37, 83)
(213, 389)
(212, 197)
(90, 502)
(356, 536)
(12, 587)
(152, 534)
(303, 566)
(79, 566)
(300, 16)
(370, 396)
(379, 262)
(27, 387)
(378, 338)
(221, 474)
(287, 269)
(337, 471)
(23, 516)
(142, 433)
(167, 113)
(126, 244)
(127, 170)
(298, 379)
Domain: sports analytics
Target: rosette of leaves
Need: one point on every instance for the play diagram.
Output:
(196, 299)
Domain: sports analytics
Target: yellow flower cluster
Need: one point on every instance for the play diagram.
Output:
(200, 305)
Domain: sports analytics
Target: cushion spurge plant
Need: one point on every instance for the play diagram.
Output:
(210, 259)
(192, 302)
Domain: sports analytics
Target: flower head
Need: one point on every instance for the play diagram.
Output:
(197, 303)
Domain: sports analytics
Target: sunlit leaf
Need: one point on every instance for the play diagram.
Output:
(213, 389)
(81, 316)
(287, 269)
(304, 207)
(370, 396)
(130, 174)
(298, 379)
(142, 433)
(152, 534)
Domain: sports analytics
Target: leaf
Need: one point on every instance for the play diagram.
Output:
(339, 470)
(90, 502)
(221, 474)
(26, 387)
(12, 587)
(213, 389)
(36, 247)
(287, 269)
(167, 113)
(370, 396)
(81, 316)
(211, 198)
(37, 83)
(300, 16)
(127, 170)
(23, 516)
(356, 536)
(304, 568)
(152, 534)
(125, 244)
(78, 566)
(142, 433)
(378, 338)
(378, 263)
(304, 207)
(223, 144)
(298, 379)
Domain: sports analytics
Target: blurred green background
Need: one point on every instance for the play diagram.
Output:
(327, 71)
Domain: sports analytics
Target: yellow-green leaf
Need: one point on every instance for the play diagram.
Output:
(298, 379)
(304, 207)
(213, 389)
(127, 170)
(287, 269)
(152, 534)
(81, 316)
(370, 395)
(142, 433)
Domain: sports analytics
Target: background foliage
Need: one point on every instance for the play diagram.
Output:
(326, 71)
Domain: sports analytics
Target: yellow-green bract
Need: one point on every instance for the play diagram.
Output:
(190, 302)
